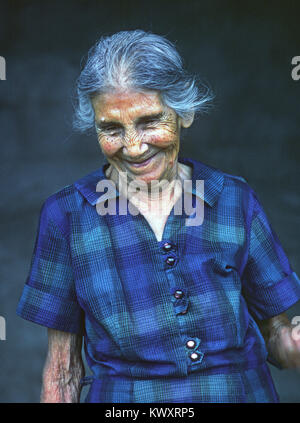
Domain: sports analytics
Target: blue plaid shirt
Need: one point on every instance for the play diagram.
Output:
(169, 321)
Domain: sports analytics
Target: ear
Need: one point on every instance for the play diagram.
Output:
(187, 121)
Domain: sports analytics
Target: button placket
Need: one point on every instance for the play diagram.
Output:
(180, 300)
(168, 249)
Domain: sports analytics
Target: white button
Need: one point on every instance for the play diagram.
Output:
(194, 356)
(191, 344)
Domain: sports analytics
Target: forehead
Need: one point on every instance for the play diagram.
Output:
(131, 104)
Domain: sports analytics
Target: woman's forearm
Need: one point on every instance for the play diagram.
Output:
(63, 368)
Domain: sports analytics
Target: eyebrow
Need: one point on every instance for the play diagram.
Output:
(142, 119)
(146, 118)
(108, 124)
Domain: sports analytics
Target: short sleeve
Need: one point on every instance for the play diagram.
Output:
(270, 285)
(49, 296)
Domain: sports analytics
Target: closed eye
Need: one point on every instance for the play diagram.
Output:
(109, 129)
(149, 121)
(112, 129)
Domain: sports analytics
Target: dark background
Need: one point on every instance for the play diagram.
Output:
(243, 49)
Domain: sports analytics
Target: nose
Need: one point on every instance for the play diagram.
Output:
(133, 145)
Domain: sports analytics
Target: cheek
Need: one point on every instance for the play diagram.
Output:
(163, 138)
(109, 147)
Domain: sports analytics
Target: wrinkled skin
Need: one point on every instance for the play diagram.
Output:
(63, 368)
(134, 126)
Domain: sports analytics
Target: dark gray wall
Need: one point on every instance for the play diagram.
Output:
(244, 49)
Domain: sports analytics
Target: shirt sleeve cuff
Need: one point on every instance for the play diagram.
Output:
(274, 299)
(51, 311)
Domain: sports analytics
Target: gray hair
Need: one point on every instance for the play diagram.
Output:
(141, 61)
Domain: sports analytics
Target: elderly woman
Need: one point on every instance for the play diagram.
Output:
(170, 310)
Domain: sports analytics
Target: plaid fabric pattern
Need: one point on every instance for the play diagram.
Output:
(155, 329)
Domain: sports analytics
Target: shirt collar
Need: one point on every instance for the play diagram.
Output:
(212, 177)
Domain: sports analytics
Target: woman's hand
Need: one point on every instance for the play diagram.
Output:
(286, 347)
(282, 340)
(63, 368)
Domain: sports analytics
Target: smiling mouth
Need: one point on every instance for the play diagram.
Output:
(143, 163)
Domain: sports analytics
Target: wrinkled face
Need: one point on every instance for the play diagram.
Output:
(138, 134)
